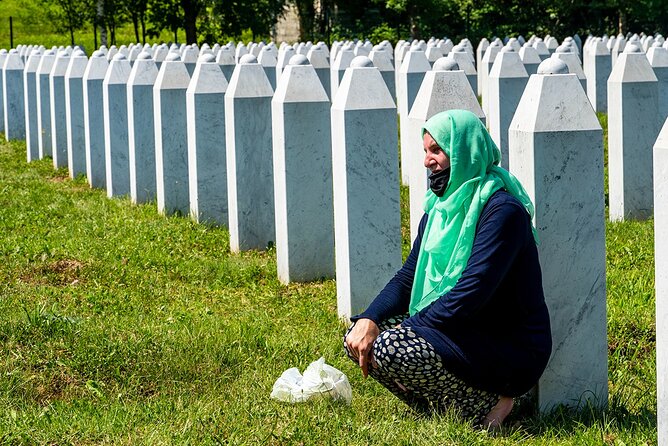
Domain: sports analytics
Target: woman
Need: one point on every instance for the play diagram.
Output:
(464, 322)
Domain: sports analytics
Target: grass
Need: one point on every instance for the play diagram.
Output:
(120, 326)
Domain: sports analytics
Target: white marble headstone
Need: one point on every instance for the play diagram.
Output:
(249, 157)
(94, 119)
(74, 111)
(302, 175)
(633, 125)
(556, 152)
(367, 229)
(207, 166)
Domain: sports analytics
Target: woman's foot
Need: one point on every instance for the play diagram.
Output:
(498, 413)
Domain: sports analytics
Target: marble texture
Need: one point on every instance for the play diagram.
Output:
(338, 68)
(633, 107)
(74, 114)
(3, 58)
(301, 138)
(658, 59)
(284, 56)
(463, 59)
(13, 97)
(268, 62)
(58, 109)
(250, 177)
(661, 280)
(115, 110)
(487, 61)
(141, 129)
(381, 60)
(440, 91)
(556, 151)
(598, 70)
(225, 59)
(171, 137)
(96, 170)
(506, 82)
(207, 166)
(571, 59)
(411, 74)
(367, 227)
(44, 103)
(30, 104)
(318, 59)
(530, 58)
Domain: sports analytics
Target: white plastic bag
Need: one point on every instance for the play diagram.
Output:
(319, 380)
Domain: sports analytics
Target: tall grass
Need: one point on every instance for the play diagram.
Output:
(120, 326)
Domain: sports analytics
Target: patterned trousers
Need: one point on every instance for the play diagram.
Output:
(409, 367)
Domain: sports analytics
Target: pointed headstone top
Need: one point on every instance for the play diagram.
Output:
(299, 83)
(362, 88)
(208, 77)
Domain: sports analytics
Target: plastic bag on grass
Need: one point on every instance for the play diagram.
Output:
(319, 380)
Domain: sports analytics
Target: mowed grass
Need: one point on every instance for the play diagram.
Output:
(120, 326)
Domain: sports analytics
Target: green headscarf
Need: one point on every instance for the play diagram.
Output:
(474, 177)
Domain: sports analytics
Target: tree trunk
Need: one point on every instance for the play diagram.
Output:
(100, 14)
(190, 13)
(135, 25)
(143, 30)
(622, 22)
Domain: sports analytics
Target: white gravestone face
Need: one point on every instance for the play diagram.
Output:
(13, 96)
(317, 57)
(268, 61)
(342, 61)
(381, 60)
(30, 104)
(94, 120)
(633, 107)
(171, 137)
(367, 226)
(487, 61)
(302, 163)
(556, 151)
(76, 135)
(658, 59)
(249, 157)
(207, 165)
(598, 71)
(141, 129)
(661, 279)
(411, 74)
(530, 58)
(507, 80)
(58, 109)
(44, 103)
(116, 146)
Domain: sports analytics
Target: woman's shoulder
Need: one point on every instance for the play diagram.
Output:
(504, 205)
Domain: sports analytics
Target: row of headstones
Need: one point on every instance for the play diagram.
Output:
(558, 156)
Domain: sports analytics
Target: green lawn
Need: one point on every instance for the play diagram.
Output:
(120, 326)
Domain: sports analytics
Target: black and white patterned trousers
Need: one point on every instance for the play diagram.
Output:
(409, 367)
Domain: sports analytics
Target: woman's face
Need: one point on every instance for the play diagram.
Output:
(435, 158)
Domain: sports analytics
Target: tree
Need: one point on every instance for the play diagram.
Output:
(68, 15)
(164, 14)
(136, 10)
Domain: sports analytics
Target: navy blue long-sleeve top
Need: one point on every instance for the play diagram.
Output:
(492, 329)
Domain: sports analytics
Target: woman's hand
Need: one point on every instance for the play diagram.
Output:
(360, 342)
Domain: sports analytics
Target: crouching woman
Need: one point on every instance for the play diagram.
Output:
(463, 323)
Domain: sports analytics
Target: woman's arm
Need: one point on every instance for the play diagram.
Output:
(503, 230)
(393, 300)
